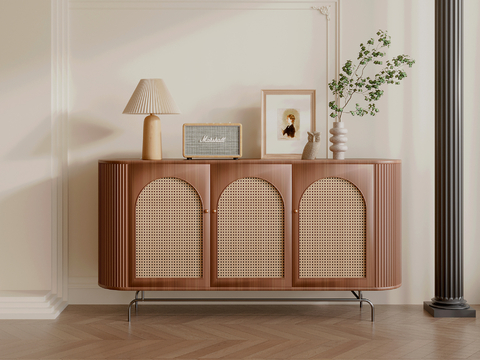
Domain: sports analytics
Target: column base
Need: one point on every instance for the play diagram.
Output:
(438, 312)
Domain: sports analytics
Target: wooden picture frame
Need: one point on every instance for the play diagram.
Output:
(287, 116)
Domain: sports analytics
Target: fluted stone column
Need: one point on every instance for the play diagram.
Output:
(448, 300)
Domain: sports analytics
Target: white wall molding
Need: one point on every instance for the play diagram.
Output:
(59, 122)
(59, 75)
(197, 5)
(48, 304)
(30, 305)
(324, 10)
(85, 289)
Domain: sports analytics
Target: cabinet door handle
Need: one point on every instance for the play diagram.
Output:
(206, 211)
(214, 210)
(295, 211)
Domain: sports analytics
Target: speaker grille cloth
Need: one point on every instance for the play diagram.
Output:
(332, 229)
(250, 230)
(193, 135)
(168, 230)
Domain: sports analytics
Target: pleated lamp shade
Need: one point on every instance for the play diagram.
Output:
(151, 97)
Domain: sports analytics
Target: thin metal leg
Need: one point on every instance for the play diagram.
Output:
(362, 299)
(143, 299)
(136, 303)
(358, 298)
(373, 308)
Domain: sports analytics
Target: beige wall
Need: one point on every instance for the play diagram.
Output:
(25, 186)
(215, 64)
(404, 128)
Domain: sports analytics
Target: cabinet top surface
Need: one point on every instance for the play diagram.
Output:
(251, 161)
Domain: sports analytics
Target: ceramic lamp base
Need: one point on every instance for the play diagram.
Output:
(152, 138)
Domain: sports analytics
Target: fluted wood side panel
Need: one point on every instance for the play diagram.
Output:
(113, 225)
(388, 244)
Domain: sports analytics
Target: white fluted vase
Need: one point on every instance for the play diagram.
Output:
(338, 140)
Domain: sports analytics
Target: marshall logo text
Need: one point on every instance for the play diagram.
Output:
(207, 139)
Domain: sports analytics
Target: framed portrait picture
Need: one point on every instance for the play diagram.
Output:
(287, 115)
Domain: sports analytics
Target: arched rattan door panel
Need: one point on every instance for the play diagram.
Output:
(332, 241)
(171, 227)
(250, 230)
(169, 230)
(332, 230)
(251, 226)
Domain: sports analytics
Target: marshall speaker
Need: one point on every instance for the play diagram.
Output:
(212, 141)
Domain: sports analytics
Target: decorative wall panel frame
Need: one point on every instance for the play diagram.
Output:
(61, 13)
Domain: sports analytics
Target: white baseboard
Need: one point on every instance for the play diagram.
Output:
(30, 305)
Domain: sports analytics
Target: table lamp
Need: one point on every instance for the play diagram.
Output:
(151, 97)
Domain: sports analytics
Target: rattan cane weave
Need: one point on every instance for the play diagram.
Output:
(332, 230)
(250, 230)
(168, 230)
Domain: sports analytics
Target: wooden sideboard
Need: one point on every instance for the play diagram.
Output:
(249, 224)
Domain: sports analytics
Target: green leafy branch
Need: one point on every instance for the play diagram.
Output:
(351, 80)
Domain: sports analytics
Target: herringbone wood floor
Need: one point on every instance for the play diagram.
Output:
(242, 332)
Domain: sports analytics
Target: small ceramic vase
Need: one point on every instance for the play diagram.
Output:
(338, 139)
